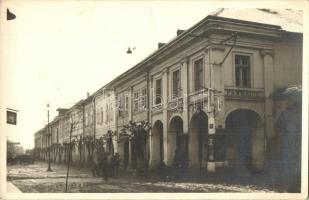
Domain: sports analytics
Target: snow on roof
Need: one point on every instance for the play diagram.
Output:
(295, 90)
(289, 20)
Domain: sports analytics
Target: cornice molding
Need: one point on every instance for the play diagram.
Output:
(265, 52)
(184, 60)
(165, 71)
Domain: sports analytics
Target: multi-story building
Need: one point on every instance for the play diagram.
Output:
(210, 94)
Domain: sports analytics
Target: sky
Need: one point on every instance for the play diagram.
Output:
(55, 52)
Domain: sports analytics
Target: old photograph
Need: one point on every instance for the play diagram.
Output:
(113, 97)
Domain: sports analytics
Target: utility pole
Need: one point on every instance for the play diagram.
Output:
(48, 138)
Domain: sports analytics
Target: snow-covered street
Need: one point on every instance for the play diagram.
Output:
(35, 178)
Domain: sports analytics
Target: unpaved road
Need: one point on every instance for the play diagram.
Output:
(35, 179)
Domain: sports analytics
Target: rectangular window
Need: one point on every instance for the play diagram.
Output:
(176, 83)
(119, 105)
(143, 99)
(135, 102)
(126, 103)
(90, 118)
(158, 98)
(101, 115)
(86, 119)
(111, 114)
(242, 71)
(119, 102)
(98, 117)
(107, 113)
(198, 75)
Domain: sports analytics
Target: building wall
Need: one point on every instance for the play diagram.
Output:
(107, 102)
(76, 119)
(275, 62)
(288, 61)
(88, 118)
(123, 103)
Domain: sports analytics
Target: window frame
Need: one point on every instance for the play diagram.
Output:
(86, 118)
(201, 73)
(143, 97)
(135, 101)
(102, 115)
(156, 89)
(126, 102)
(176, 91)
(249, 55)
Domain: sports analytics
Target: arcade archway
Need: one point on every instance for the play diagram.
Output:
(288, 146)
(157, 151)
(198, 147)
(176, 142)
(245, 141)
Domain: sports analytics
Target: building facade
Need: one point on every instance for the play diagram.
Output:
(209, 95)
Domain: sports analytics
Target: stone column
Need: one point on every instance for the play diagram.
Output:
(269, 133)
(115, 143)
(130, 154)
(211, 165)
(152, 159)
(216, 115)
(268, 64)
(116, 115)
(130, 113)
(185, 92)
(165, 118)
(116, 111)
(151, 138)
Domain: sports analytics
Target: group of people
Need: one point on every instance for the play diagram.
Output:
(105, 164)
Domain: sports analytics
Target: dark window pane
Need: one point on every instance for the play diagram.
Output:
(242, 71)
(158, 91)
(198, 74)
(237, 60)
(136, 101)
(176, 83)
(237, 76)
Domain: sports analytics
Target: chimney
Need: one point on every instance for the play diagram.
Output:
(160, 44)
(179, 31)
(88, 94)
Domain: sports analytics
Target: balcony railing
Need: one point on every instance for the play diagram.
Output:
(157, 108)
(198, 96)
(175, 103)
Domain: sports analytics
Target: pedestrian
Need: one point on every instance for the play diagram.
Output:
(104, 166)
(115, 164)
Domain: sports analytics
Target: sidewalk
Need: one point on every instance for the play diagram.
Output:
(11, 188)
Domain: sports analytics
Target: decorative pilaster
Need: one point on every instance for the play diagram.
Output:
(165, 87)
(130, 154)
(152, 162)
(216, 86)
(151, 139)
(268, 64)
(185, 92)
(116, 113)
(130, 113)
(211, 167)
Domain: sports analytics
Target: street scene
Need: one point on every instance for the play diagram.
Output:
(215, 108)
(35, 178)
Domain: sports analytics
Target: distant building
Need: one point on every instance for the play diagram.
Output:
(13, 149)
